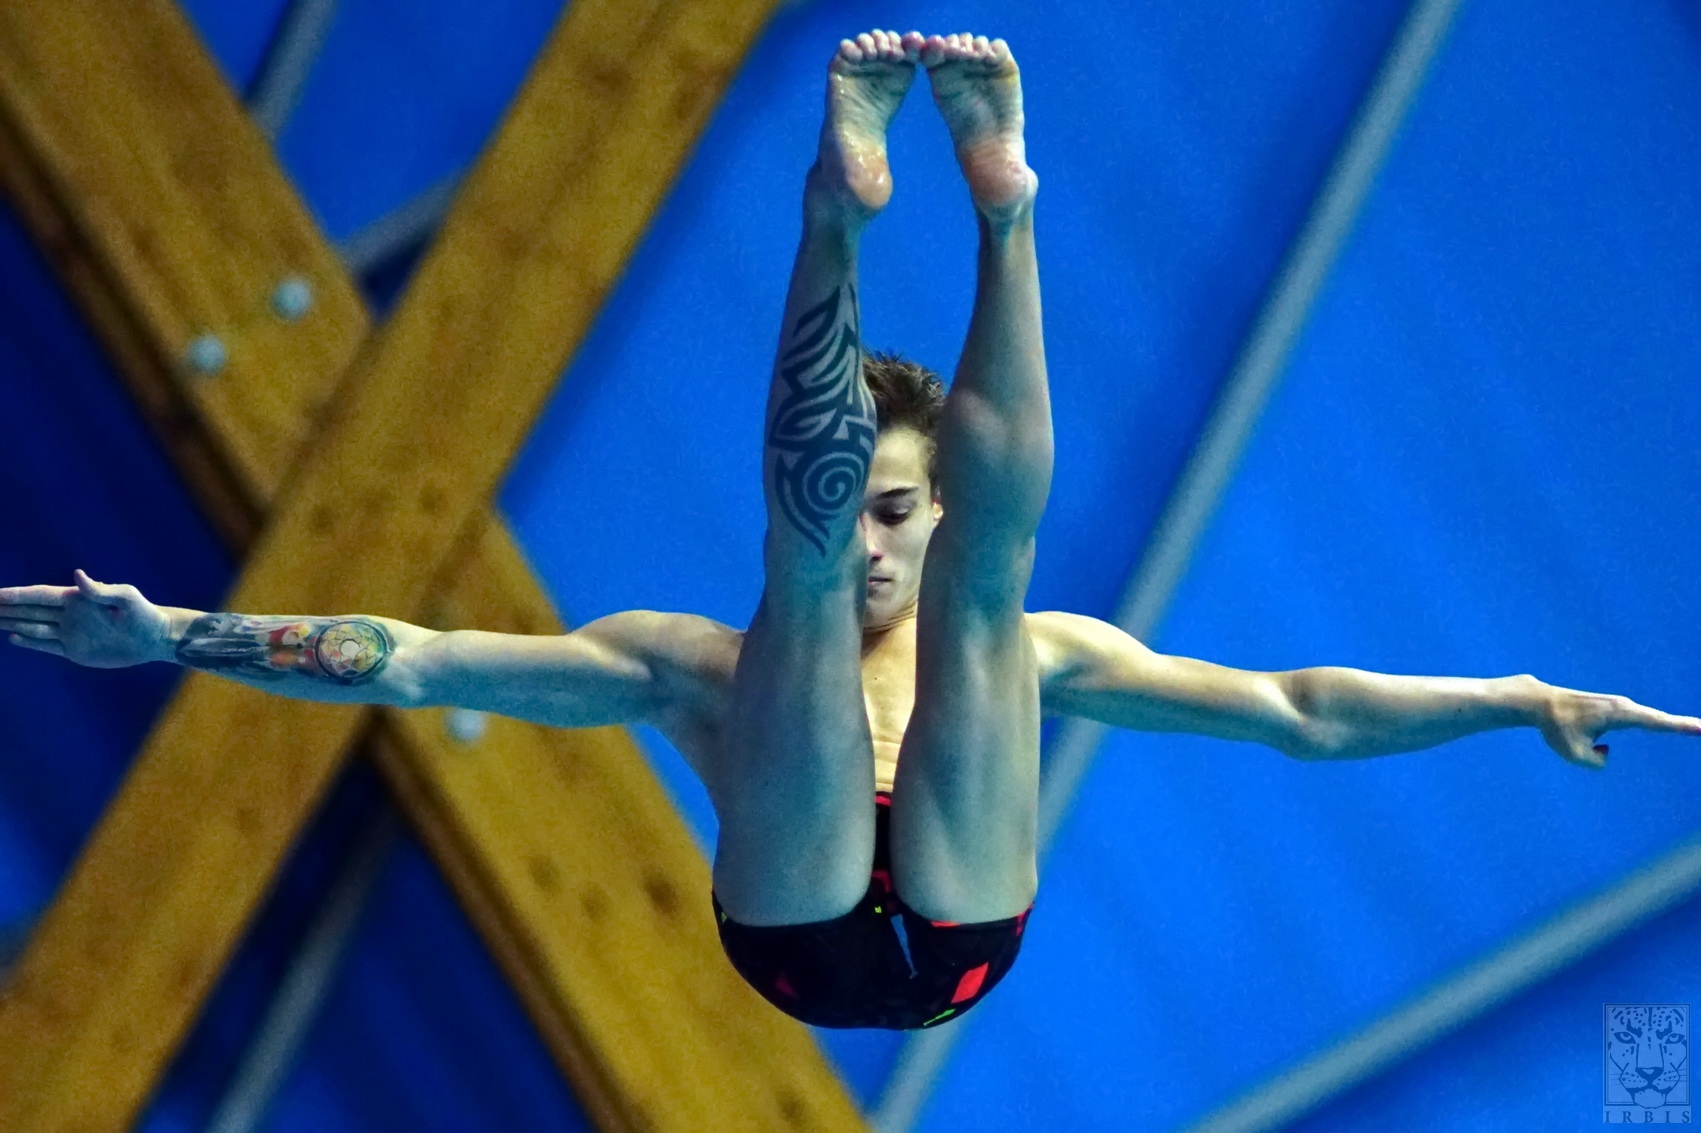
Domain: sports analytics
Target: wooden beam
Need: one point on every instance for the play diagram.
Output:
(226, 498)
(570, 828)
(154, 906)
(132, 131)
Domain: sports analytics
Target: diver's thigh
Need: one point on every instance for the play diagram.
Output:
(966, 800)
(795, 781)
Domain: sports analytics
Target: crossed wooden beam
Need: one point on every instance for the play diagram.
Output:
(355, 470)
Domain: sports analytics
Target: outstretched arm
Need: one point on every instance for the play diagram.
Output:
(1092, 669)
(1357, 714)
(626, 667)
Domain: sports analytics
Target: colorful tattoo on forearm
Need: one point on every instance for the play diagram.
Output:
(345, 651)
(823, 429)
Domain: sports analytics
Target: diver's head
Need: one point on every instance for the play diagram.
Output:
(900, 504)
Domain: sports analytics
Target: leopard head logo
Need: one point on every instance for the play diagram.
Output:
(1647, 1052)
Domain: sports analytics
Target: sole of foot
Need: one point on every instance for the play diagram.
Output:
(978, 89)
(866, 83)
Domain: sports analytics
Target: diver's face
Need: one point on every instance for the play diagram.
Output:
(898, 517)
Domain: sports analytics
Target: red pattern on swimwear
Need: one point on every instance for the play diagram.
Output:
(969, 984)
(879, 965)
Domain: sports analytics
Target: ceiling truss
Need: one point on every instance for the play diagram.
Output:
(353, 469)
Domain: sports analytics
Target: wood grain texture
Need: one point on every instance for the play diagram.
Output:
(124, 956)
(175, 192)
(417, 440)
(571, 828)
(653, 1027)
(227, 499)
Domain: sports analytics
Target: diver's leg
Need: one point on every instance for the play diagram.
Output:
(794, 788)
(965, 802)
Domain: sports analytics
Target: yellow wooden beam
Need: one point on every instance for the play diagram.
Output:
(226, 498)
(171, 188)
(152, 910)
(579, 847)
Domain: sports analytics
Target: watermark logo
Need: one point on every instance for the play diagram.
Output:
(1647, 1064)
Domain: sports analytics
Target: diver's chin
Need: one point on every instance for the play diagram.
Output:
(883, 614)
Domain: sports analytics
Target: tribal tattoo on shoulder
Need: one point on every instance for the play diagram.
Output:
(344, 651)
(823, 430)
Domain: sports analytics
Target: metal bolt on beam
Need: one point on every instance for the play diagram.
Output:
(466, 725)
(292, 299)
(206, 355)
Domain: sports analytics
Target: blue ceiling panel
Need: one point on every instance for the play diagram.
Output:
(1177, 157)
(1157, 239)
(1537, 1062)
(420, 1032)
(404, 95)
(236, 35)
(203, 1071)
(1481, 463)
(82, 484)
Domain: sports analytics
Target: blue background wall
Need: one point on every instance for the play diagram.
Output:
(1482, 460)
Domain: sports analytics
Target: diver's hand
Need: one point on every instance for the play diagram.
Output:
(1571, 722)
(91, 623)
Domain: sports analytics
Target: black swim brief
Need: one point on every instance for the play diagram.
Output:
(880, 965)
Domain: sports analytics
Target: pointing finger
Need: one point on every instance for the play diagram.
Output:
(33, 630)
(52, 647)
(22, 613)
(19, 625)
(1640, 716)
(1689, 724)
(35, 595)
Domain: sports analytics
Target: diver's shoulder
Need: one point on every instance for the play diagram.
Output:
(688, 643)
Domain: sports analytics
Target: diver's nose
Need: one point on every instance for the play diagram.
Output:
(868, 539)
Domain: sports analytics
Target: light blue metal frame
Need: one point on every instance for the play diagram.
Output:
(301, 34)
(300, 996)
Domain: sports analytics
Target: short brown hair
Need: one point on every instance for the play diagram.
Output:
(906, 395)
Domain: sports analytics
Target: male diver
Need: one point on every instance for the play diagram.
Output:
(871, 741)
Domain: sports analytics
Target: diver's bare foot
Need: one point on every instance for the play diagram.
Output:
(866, 83)
(979, 92)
